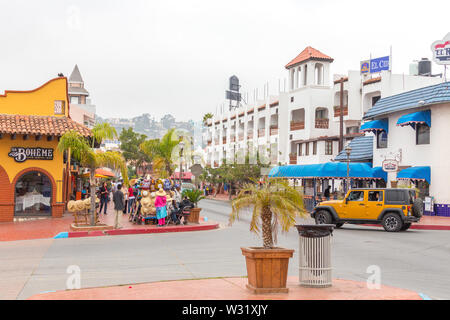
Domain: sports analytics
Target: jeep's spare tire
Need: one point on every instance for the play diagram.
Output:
(417, 208)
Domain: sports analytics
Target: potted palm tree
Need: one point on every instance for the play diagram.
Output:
(274, 204)
(194, 196)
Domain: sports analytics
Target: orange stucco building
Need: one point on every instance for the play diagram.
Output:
(34, 175)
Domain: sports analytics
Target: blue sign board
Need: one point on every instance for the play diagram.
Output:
(379, 64)
(375, 65)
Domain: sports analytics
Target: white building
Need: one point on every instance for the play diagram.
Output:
(81, 108)
(301, 125)
(412, 128)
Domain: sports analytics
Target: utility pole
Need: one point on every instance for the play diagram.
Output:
(341, 116)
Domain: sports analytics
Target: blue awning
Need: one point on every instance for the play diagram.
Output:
(415, 173)
(329, 170)
(379, 173)
(414, 118)
(375, 126)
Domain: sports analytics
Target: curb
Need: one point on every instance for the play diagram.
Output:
(119, 232)
(417, 227)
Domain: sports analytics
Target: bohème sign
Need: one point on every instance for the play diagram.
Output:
(441, 50)
(23, 154)
(390, 165)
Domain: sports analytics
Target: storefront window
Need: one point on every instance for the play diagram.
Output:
(33, 192)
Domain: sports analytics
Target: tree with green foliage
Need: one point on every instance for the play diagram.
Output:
(206, 117)
(129, 144)
(82, 150)
(163, 152)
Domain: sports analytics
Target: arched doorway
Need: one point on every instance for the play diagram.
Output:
(33, 195)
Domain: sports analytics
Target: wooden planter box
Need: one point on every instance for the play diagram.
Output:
(195, 215)
(267, 269)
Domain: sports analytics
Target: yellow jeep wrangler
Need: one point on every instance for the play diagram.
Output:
(394, 209)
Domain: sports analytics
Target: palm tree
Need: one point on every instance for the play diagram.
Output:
(206, 117)
(274, 203)
(93, 159)
(163, 152)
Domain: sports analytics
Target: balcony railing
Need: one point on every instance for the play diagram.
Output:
(293, 158)
(297, 125)
(261, 132)
(273, 130)
(322, 123)
(337, 111)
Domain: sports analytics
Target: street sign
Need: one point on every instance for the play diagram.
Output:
(441, 50)
(390, 165)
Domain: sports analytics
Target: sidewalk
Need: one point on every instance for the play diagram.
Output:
(230, 289)
(52, 227)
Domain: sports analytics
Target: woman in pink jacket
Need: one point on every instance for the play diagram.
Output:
(160, 204)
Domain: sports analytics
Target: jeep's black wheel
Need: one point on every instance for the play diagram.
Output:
(339, 225)
(392, 222)
(405, 226)
(417, 208)
(323, 217)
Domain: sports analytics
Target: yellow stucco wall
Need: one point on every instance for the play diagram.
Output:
(38, 102)
(54, 167)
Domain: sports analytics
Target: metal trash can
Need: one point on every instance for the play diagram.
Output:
(315, 255)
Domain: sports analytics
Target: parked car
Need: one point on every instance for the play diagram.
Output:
(394, 209)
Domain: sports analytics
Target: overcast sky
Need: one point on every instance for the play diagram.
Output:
(142, 56)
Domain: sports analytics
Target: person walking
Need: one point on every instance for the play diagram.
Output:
(131, 198)
(118, 206)
(160, 204)
(104, 195)
(125, 196)
(327, 193)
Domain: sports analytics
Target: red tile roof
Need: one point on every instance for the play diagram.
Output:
(373, 80)
(40, 125)
(309, 54)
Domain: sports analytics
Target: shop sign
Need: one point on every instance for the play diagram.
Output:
(441, 50)
(23, 154)
(375, 65)
(390, 165)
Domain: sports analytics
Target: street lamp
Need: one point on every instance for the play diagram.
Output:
(181, 159)
(348, 151)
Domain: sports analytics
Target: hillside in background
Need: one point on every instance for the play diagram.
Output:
(148, 125)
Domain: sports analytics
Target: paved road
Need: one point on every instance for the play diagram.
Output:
(415, 260)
